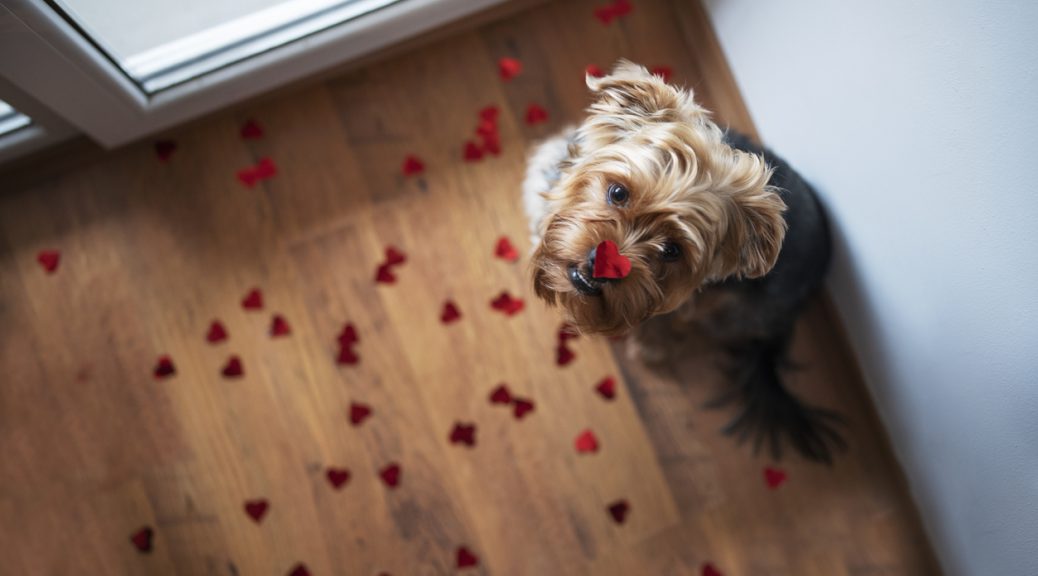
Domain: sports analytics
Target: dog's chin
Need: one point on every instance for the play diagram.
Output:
(591, 305)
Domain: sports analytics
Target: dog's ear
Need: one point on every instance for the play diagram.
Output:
(754, 227)
(631, 88)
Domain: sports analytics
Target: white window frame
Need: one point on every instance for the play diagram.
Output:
(65, 79)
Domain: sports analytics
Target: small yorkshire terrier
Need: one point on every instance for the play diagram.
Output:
(712, 230)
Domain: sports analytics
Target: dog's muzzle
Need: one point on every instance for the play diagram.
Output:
(584, 283)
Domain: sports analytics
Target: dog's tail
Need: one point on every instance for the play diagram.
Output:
(769, 413)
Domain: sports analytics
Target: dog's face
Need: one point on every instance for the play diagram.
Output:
(649, 171)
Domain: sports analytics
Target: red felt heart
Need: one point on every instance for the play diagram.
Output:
(509, 68)
(395, 256)
(412, 165)
(253, 300)
(568, 331)
(500, 395)
(391, 475)
(164, 149)
(49, 260)
(617, 9)
(506, 304)
(347, 356)
(251, 130)
(463, 434)
(141, 539)
(594, 71)
(233, 368)
(450, 312)
(466, 559)
(299, 570)
(609, 263)
(607, 388)
(622, 7)
(505, 250)
(337, 477)
(472, 152)
(279, 326)
(618, 510)
(348, 336)
(586, 442)
(521, 407)
(535, 114)
(216, 333)
(164, 368)
(256, 509)
(709, 570)
(262, 170)
(563, 355)
(359, 413)
(663, 72)
(487, 128)
(384, 275)
(774, 477)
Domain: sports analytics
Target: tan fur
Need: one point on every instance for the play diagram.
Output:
(686, 186)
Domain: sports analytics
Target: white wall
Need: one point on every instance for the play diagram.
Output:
(918, 122)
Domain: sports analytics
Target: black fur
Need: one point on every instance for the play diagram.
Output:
(756, 326)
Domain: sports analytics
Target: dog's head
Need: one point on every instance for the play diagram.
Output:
(651, 172)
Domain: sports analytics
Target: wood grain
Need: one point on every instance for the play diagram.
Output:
(94, 447)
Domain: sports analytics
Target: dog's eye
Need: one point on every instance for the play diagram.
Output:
(671, 252)
(617, 195)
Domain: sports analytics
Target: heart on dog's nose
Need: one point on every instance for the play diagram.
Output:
(609, 262)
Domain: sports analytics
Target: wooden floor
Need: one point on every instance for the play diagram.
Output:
(94, 447)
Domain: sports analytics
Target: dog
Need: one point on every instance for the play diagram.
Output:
(714, 232)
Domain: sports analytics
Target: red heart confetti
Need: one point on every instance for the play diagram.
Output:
(253, 300)
(216, 333)
(347, 356)
(141, 539)
(49, 260)
(299, 570)
(359, 413)
(663, 72)
(412, 166)
(395, 256)
(586, 442)
(463, 434)
(391, 475)
(465, 558)
(709, 570)
(568, 332)
(450, 312)
(509, 68)
(563, 355)
(489, 113)
(521, 407)
(265, 169)
(164, 368)
(337, 477)
(609, 263)
(505, 250)
(618, 510)
(535, 114)
(233, 368)
(251, 130)
(492, 144)
(164, 150)
(506, 304)
(256, 509)
(607, 388)
(348, 336)
(500, 395)
(472, 152)
(279, 326)
(774, 477)
(618, 9)
(594, 71)
(384, 275)
(487, 128)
